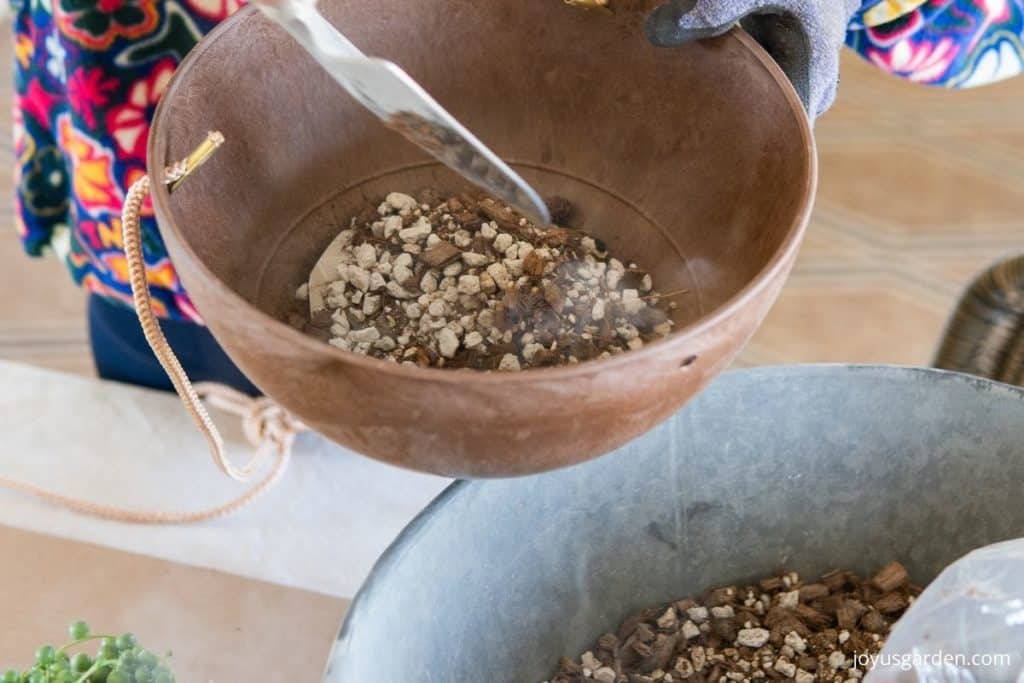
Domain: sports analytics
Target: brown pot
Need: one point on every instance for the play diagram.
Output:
(697, 162)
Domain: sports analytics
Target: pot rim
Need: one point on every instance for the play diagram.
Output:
(676, 342)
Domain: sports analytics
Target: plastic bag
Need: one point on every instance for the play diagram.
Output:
(968, 625)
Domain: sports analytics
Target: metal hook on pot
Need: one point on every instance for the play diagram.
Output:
(177, 172)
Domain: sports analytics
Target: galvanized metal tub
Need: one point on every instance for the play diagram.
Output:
(811, 467)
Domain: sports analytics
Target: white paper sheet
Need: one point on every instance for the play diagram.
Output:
(321, 527)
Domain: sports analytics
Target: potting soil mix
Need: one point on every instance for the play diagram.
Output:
(779, 628)
(465, 282)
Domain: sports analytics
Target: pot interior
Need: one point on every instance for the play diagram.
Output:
(694, 162)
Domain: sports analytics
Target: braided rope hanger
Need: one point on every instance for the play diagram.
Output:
(267, 426)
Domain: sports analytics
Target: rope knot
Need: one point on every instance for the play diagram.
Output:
(265, 422)
(266, 425)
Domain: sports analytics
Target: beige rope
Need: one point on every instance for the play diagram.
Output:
(155, 336)
(271, 426)
(267, 426)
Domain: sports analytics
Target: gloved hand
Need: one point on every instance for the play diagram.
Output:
(804, 36)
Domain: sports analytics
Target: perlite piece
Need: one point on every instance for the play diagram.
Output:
(690, 630)
(752, 637)
(698, 614)
(509, 363)
(447, 342)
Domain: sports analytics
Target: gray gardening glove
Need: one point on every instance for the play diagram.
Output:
(804, 36)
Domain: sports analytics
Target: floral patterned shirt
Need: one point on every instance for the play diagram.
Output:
(89, 73)
(88, 76)
(949, 43)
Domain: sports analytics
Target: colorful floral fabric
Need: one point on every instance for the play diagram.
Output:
(878, 12)
(88, 76)
(949, 43)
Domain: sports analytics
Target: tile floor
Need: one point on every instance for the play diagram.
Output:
(919, 190)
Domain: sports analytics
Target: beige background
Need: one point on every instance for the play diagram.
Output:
(919, 190)
(219, 627)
